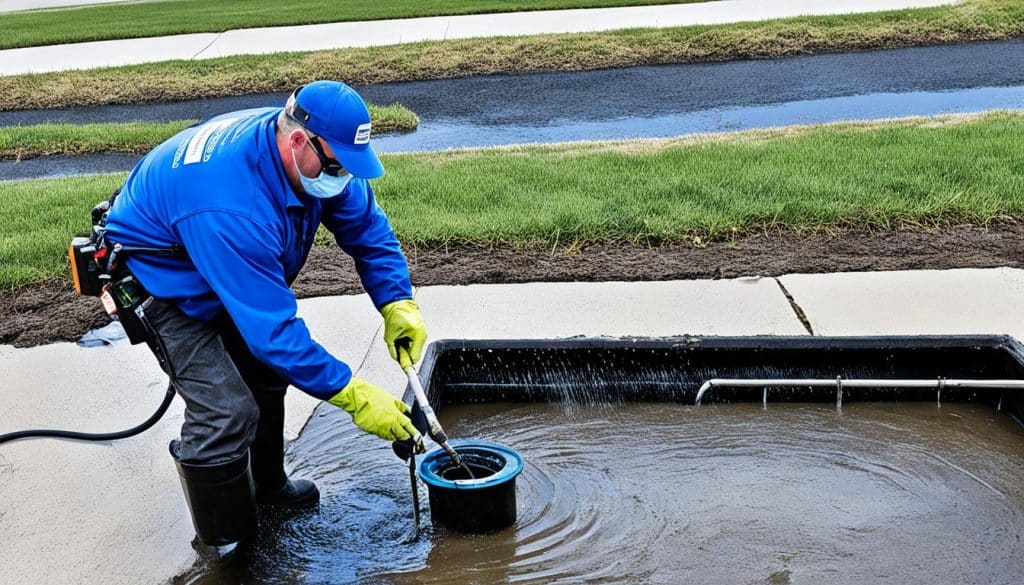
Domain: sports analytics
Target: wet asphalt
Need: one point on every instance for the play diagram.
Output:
(636, 102)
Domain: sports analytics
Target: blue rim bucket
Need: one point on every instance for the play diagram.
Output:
(484, 504)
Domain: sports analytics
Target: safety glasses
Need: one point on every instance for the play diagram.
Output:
(329, 166)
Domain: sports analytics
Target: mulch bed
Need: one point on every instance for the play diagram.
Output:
(49, 311)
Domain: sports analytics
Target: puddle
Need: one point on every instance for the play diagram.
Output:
(439, 135)
(666, 493)
(364, 515)
(638, 102)
(66, 165)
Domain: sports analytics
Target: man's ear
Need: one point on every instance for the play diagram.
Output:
(296, 139)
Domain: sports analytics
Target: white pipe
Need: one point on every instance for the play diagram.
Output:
(865, 383)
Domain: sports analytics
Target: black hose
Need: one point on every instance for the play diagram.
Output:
(59, 434)
(156, 343)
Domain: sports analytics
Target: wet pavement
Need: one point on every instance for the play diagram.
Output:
(641, 102)
(665, 493)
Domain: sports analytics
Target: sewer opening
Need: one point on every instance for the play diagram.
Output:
(457, 472)
(582, 372)
(483, 465)
(738, 475)
(875, 490)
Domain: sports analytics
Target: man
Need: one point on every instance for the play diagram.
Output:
(243, 194)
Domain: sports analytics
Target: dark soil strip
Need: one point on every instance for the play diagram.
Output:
(50, 312)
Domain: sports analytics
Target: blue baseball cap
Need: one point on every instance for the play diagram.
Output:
(336, 113)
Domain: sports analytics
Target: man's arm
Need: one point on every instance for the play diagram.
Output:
(239, 259)
(364, 233)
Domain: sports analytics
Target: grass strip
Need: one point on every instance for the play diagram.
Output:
(971, 20)
(124, 21)
(923, 172)
(21, 142)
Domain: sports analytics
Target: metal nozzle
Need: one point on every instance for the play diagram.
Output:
(434, 426)
(451, 452)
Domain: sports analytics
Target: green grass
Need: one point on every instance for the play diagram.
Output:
(122, 21)
(181, 80)
(916, 172)
(37, 220)
(21, 142)
(870, 175)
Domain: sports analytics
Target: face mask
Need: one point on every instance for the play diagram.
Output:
(324, 186)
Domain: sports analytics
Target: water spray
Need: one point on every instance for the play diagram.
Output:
(434, 428)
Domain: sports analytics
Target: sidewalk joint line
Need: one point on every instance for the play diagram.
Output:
(796, 307)
(366, 355)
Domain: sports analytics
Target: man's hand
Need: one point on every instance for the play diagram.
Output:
(375, 411)
(409, 447)
(416, 445)
(403, 325)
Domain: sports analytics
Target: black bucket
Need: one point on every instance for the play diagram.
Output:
(483, 504)
(221, 498)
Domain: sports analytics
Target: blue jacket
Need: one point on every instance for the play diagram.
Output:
(220, 191)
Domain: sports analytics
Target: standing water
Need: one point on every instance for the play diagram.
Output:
(665, 493)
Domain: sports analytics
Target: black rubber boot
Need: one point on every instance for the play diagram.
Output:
(273, 487)
(300, 493)
(220, 497)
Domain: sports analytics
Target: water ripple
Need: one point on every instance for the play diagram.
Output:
(665, 493)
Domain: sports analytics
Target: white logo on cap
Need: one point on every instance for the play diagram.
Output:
(362, 134)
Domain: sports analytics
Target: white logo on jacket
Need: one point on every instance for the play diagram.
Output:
(197, 146)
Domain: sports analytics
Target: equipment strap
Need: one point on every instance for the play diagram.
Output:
(99, 220)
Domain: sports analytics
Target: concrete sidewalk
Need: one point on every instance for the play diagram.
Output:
(391, 32)
(20, 5)
(114, 513)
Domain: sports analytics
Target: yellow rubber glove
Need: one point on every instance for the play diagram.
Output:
(403, 324)
(375, 411)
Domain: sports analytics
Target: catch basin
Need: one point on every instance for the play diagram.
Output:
(482, 503)
(626, 480)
